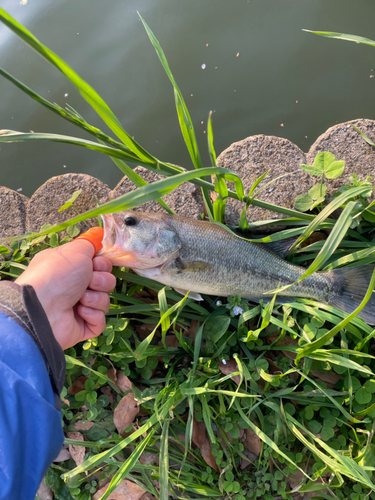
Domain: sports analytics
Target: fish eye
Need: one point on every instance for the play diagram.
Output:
(130, 221)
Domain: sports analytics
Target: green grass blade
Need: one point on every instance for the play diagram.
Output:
(141, 349)
(363, 135)
(91, 96)
(210, 140)
(268, 441)
(183, 114)
(77, 362)
(137, 180)
(345, 465)
(343, 36)
(127, 466)
(334, 205)
(164, 463)
(186, 123)
(317, 344)
(63, 113)
(14, 136)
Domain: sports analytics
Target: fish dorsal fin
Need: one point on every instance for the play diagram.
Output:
(281, 247)
(192, 295)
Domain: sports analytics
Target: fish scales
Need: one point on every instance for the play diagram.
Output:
(202, 257)
(235, 266)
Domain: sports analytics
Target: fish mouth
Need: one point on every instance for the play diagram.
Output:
(113, 243)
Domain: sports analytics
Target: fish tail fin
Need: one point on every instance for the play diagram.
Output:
(350, 287)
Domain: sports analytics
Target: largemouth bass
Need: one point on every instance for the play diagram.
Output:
(202, 257)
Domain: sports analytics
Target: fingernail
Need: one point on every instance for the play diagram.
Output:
(90, 297)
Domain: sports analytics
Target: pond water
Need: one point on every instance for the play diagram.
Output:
(247, 60)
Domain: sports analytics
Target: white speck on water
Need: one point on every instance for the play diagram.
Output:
(371, 76)
(296, 102)
(204, 131)
(23, 2)
(305, 136)
(64, 166)
(223, 361)
(206, 44)
(66, 95)
(77, 33)
(203, 66)
(31, 131)
(234, 90)
(191, 95)
(281, 124)
(238, 54)
(20, 189)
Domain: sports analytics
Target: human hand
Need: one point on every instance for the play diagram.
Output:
(73, 286)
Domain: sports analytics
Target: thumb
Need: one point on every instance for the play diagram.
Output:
(94, 236)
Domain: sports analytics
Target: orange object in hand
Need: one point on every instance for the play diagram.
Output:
(94, 236)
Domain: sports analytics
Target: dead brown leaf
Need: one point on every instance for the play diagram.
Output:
(192, 330)
(123, 382)
(77, 452)
(295, 479)
(112, 374)
(126, 490)
(148, 458)
(126, 410)
(330, 378)
(274, 369)
(170, 341)
(145, 329)
(229, 367)
(77, 386)
(148, 496)
(63, 455)
(107, 390)
(44, 492)
(66, 401)
(287, 341)
(200, 438)
(252, 447)
(83, 426)
(313, 238)
(252, 442)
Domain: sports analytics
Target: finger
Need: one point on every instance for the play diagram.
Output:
(96, 300)
(95, 320)
(94, 236)
(102, 264)
(102, 282)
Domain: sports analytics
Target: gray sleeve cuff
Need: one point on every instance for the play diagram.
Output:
(22, 305)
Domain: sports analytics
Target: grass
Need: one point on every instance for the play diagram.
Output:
(237, 400)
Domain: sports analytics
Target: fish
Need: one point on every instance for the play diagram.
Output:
(204, 258)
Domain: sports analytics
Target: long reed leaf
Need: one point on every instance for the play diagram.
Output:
(91, 96)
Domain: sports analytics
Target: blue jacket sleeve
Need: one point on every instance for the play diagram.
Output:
(31, 434)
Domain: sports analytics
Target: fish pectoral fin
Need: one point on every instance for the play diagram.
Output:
(192, 295)
(196, 266)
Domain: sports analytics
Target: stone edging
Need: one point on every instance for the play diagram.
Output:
(250, 158)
